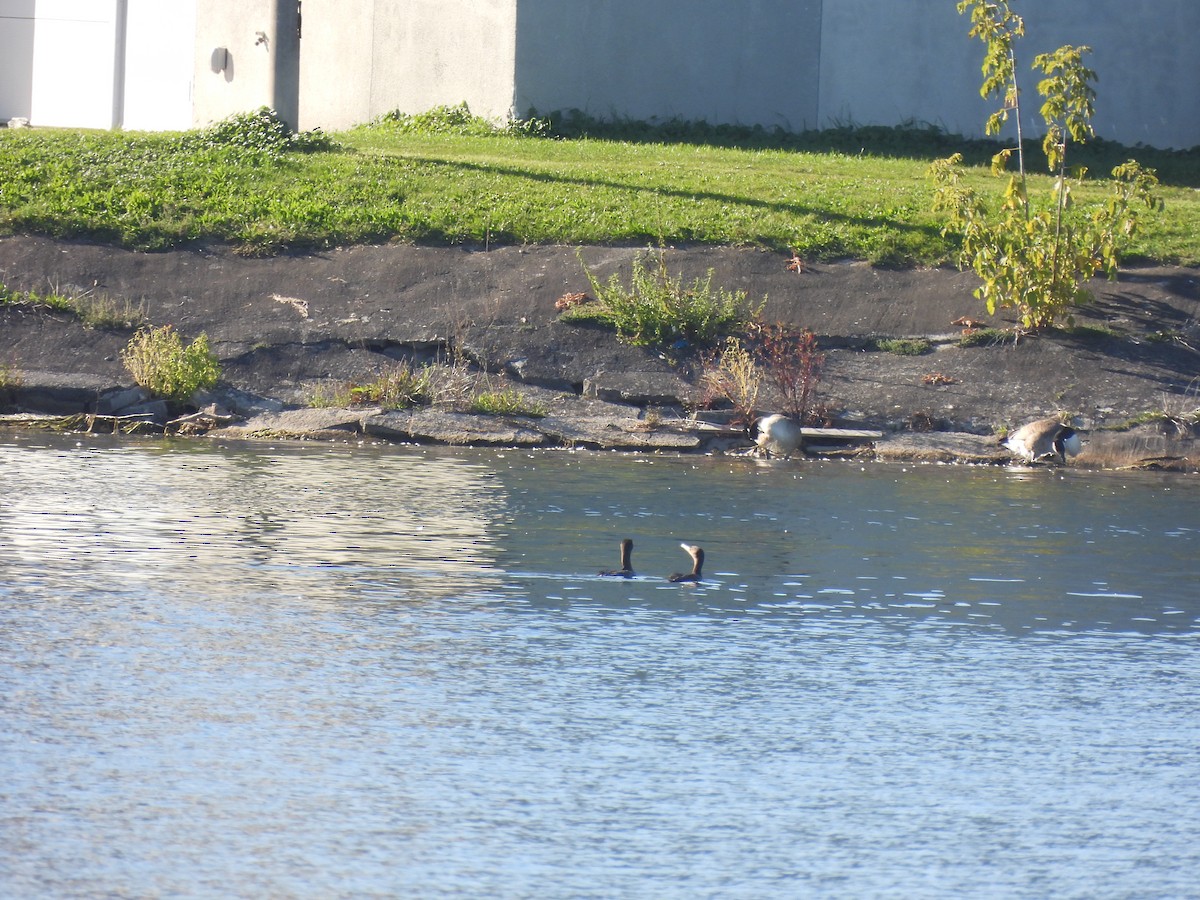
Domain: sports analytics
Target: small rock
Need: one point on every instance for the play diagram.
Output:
(303, 423)
(114, 402)
(241, 403)
(940, 447)
(154, 410)
(451, 428)
(614, 434)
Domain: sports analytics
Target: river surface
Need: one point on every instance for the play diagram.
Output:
(321, 671)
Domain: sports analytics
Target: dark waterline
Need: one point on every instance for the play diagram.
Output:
(331, 671)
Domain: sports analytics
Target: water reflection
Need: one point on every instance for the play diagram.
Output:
(1023, 551)
(352, 671)
(241, 523)
(1010, 549)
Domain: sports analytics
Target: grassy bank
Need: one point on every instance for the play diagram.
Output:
(442, 180)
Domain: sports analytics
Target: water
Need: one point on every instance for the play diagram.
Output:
(314, 671)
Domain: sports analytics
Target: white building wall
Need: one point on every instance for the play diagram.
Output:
(97, 63)
(337, 51)
(73, 63)
(159, 66)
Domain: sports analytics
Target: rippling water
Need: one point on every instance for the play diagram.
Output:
(329, 671)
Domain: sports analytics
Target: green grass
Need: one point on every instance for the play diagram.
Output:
(904, 346)
(94, 311)
(10, 377)
(53, 300)
(657, 310)
(400, 387)
(1182, 420)
(440, 180)
(108, 312)
(1090, 332)
(505, 403)
(985, 337)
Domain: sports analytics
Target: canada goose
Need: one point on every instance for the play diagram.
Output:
(777, 434)
(697, 556)
(1045, 438)
(626, 569)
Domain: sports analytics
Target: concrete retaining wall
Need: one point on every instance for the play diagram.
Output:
(796, 64)
(755, 61)
(810, 63)
(886, 61)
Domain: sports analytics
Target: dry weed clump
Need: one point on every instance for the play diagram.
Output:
(792, 363)
(786, 359)
(732, 373)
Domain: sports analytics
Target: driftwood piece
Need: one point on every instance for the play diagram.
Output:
(201, 422)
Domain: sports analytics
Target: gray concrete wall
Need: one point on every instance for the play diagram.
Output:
(810, 63)
(791, 63)
(1145, 55)
(16, 59)
(754, 61)
(361, 59)
(233, 65)
(887, 61)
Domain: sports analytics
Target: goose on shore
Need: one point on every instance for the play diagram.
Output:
(776, 434)
(626, 569)
(1044, 439)
(697, 556)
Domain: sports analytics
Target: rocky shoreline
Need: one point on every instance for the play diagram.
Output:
(1128, 374)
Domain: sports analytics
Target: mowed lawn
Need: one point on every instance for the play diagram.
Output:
(865, 196)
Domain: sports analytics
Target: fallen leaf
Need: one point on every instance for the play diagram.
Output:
(566, 301)
(937, 378)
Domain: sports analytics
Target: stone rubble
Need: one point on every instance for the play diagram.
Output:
(285, 327)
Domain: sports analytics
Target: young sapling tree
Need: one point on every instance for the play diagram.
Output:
(1036, 259)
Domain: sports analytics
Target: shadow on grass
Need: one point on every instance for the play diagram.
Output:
(931, 233)
(910, 140)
